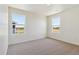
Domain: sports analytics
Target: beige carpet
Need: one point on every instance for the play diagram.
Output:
(43, 47)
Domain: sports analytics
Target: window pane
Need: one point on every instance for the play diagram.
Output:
(18, 22)
(56, 24)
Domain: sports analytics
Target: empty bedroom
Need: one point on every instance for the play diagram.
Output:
(40, 29)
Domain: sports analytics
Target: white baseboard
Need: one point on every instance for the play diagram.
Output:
(26, 41)
(73, 43)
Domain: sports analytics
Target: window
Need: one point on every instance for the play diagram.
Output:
(56, 24)
(18, 22)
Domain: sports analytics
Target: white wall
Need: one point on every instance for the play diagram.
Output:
(69, 31)
(35, 28)
(3, 29)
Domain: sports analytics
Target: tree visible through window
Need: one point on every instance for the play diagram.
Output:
(18, 22)
(56, 24)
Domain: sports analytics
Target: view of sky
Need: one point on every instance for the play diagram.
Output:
(56, 21)
(19, 19)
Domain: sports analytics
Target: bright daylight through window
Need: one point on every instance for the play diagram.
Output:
(18, 22)
(56, 24)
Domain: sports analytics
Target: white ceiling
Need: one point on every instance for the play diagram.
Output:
(46, 9)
